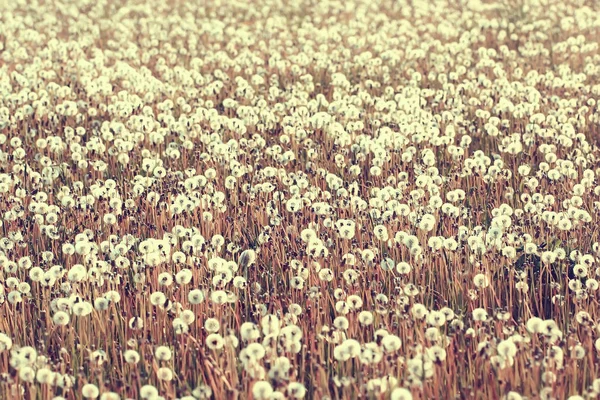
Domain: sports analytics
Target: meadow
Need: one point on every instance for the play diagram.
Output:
(281, 199)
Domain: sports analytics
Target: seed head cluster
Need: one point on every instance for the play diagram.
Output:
(299, 199)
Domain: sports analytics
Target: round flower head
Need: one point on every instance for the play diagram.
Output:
(401, 394)
(365, 318)
(164, 374)
(61, 318)
(481, 281)
(90, 391)
(5, 342)
(163, 353)
(148, 392)
(131, 356)
(296, 390)
(262, 390)
(214, 341)
(211, 325)
(196, 296)
(479, 314)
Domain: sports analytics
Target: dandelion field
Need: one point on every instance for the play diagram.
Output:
(299, 199)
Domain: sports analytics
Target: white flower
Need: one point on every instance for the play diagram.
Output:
(401, 394)
(262, 390)
(90, 391)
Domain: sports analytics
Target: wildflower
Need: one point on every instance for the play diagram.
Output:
(578, 352)
(158, 299)
(365, 318)
(211, 325)
(131, 356)
(481, 281)
(436, 318)
(381, 233)
(44, 376)
(136, 323)
(162, 353)
(507, 349)
(164, 374)
(354, 302)
(391, 343)
(202, 392)
(218, 297)
(148, 392)
(296, 390)
(5, 342)
(90, 391)
(184, 277)
(403, 268)
(179, 326)
(27, 374)
(262, 390)
(61, 318)
(419, 311)
(512, 396)
(196, 296)
(479, 314)
(214, 341)
(341, 323)
(249, 331)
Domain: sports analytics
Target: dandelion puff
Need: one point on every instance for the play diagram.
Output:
(202, 392)
(179, 326)
(164, 374)
(196, 296)
(131, 356)
(391, 343)
(296, 390)
(512, 396)
(136, 323)
(212, 325)
(578, 352)
(214, 341)
(27, 374)
(481, 281)
(218, 297)
(183, 277)
(162, 353)
(341, 323)
(148, 392)
(90, 391)
(365, 318)
(44, 376)
(403, 268)
(596, 385)
(158, 299)
(419, 311)
(5, 342)
(479, 314)
(597, 345)
(187, 316)
(61, 318)
(262, 390)
(101, 304)
(507, 349)
(401, 394)
(387, 264)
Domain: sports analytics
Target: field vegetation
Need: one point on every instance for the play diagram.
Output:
(286, 199)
